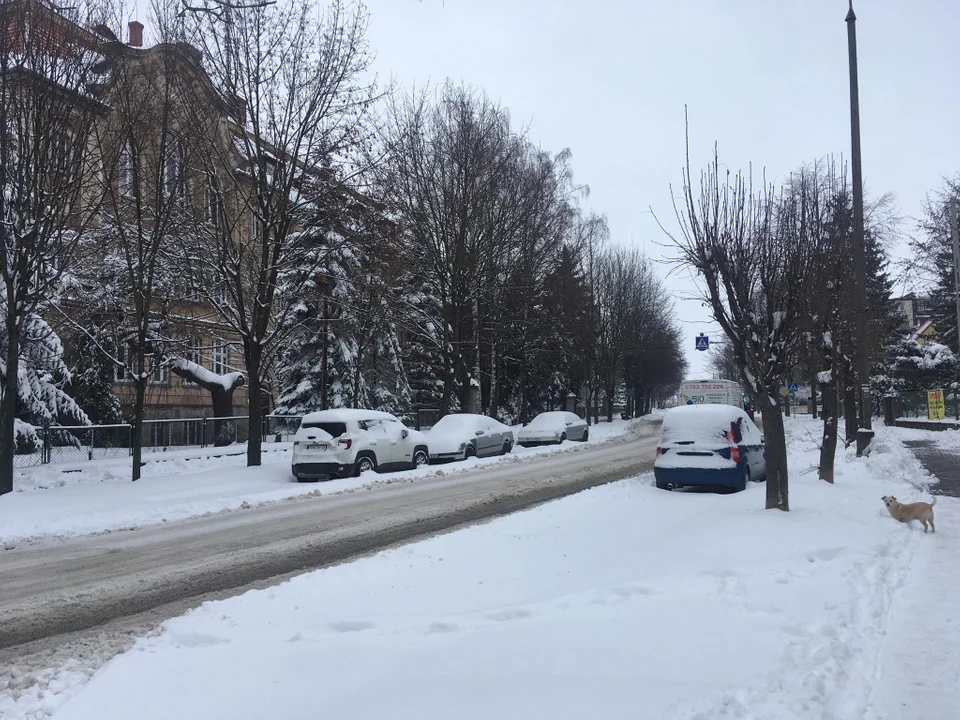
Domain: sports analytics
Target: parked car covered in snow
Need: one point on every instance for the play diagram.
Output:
(462, 435)
(553, 427)
(339, 443)
(708, 446)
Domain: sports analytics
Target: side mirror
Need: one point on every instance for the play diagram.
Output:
(479, 432)
(405, 433)
(569, 424)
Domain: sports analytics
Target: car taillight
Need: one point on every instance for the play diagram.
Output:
(659, 451)
(345, 444)
(735, 453)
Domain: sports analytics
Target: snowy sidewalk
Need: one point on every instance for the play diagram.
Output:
(920, 657)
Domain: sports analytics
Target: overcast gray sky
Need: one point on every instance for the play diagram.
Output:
(765, 79)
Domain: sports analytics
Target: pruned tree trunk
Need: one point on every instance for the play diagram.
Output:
(254, 360)
(814, 386)
(775, 456)
(828, 446)
(221, 389)
(850, 420)
(8, 408)
(136, 440)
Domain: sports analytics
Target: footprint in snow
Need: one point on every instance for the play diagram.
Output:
(826, 555)
(346, 626)
(441, 627)
(505, 615)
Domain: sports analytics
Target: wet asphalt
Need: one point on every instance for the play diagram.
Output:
(945, 464)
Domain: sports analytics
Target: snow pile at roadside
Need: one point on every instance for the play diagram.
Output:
(184, 488)
(619, 602)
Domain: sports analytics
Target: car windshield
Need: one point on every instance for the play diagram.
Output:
(545, 420)
(452, 422)
(333, 429)
(700, 425)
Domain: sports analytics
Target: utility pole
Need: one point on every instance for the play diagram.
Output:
(955, 236)
(865, 431)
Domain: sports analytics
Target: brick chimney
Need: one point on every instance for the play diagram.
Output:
(136, 34)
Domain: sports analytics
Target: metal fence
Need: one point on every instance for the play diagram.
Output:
(914, 405)
(68, 444)
(426, 418)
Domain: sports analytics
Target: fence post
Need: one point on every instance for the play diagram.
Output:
(45, 448)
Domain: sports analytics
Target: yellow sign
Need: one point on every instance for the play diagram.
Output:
(784, 391)
(935, 407)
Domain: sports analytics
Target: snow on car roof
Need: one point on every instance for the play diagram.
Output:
(346, 415)
(553, 416)
(700, 423)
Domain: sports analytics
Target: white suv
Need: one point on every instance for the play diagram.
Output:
(339, 443)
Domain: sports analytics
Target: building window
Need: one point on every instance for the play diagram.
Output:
(173, 180)
(129, 170)
(193, 355)
(221, 357)
(160, 375)
(121, 373)
(214, 207)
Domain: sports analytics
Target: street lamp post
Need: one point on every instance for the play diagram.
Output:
(323, 280)
(865, 431)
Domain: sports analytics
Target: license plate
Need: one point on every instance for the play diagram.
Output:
(318, 446)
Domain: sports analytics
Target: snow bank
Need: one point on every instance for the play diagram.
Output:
(619, 602)
(100, 496)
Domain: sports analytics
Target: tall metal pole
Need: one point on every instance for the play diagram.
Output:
(955, 236)
(865, 431)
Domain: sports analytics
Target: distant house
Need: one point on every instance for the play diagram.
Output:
(917, 315)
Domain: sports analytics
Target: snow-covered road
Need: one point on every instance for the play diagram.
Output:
(57, 587)
(620, 602)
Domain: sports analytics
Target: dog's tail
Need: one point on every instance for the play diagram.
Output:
(934, 501)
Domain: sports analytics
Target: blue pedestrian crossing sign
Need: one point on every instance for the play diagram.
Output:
(793, 387)
(703, 342)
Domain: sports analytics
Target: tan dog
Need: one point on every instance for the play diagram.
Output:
(913, 511)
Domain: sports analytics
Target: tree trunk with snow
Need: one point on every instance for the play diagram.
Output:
(850, 419)
(8, 408)
(221, 389)
(775, 456)
(254, 359)
(140, 391)
(828, 446)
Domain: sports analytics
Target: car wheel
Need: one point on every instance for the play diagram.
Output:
(364, 463)
(563, 437)
(469, 452)
(507, 447)
(420, 457)
(586, 435)
(744, 479)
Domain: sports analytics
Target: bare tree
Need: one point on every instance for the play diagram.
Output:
(755, 256)
(452, 178)
(147, 210)
(295, 101)
(46, 114)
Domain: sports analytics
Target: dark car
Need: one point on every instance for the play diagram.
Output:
(709, 446)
